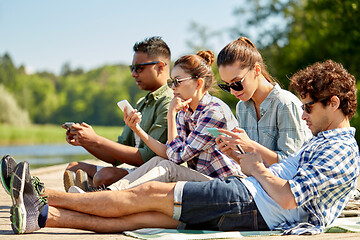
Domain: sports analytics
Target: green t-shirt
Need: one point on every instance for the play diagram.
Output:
(153, 107)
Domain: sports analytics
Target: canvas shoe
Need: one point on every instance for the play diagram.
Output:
(7, 166)
(68, 179)
(29, 211)
(82, 180)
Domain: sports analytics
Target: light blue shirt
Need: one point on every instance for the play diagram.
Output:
(280, 127)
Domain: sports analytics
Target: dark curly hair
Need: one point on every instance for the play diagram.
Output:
(325, 79)
(154, 47)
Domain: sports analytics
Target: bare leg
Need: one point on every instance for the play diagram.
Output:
(63, 218)
(108, 175)
(151, 196)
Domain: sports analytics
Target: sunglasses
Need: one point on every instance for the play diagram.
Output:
(140, 66)
(176, 81)
(307, 106)
(237, 86)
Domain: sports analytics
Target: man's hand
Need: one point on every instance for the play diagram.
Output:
(84, 134)
(70, 135)
(251, 164)
(132, 119)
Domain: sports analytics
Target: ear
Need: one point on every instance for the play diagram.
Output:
(334, 102)
(161, 66)
(257, 68)
(200, 83)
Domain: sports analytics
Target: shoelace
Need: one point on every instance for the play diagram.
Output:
(39, 188)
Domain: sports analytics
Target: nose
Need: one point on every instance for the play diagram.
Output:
(233, 92)
(304, 115)
(134, 73)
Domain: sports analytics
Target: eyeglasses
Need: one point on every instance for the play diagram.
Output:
(237, 86)
(306, 106)
(140, 66)
(176, 81)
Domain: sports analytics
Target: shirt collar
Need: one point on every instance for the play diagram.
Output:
(267, 103)
(202, 104)
(336, 132)
(157, 93)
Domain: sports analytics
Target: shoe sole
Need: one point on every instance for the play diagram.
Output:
(5, 175)
(68, 179)
(18, 211)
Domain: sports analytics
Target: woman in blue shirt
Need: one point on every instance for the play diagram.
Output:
(269, 117)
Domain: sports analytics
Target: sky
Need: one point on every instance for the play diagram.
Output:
(42, 35)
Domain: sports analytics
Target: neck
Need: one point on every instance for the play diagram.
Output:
(263, 90)
(196, 101)
(340, 122)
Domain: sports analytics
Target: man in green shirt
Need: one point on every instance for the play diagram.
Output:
(150, 68)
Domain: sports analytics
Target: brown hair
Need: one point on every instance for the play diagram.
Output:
(199, 66)
(326, 79)
(243, 51)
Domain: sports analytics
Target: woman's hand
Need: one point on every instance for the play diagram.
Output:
(132, 119)
(177, 104)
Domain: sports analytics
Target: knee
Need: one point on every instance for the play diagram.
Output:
(156, 160)
(149, 188)
(108, 175)
(73, 166)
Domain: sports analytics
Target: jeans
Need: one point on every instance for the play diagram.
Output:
(216, 205)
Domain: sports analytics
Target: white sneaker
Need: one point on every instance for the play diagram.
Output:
(75, 189)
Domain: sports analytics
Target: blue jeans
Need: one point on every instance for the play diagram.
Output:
(217, 205)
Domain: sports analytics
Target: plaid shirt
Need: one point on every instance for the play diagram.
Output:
(196, 146)
(327, 172)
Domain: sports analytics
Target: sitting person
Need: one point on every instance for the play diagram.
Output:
(302, 194)
(269, 117)
(150, 69)
(191, 112)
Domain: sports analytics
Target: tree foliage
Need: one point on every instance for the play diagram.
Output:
(73, 95)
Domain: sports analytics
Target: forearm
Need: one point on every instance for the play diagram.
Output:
(111, 151)
(172, 131)
(158, 147)
(277, 188)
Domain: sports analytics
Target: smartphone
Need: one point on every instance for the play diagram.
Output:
(69, 124)
(216, 133)
(124, 103)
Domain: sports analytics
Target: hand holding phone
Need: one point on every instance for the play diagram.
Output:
(216, 133)
(124, 103)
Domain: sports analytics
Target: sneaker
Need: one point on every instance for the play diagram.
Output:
(75, 189)
(29, 210)
(7, 166)
(69, 179)
(82, 181)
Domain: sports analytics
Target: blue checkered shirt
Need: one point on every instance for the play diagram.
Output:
(327, 172)
(196, 146)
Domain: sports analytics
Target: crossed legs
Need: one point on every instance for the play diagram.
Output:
(148, 205)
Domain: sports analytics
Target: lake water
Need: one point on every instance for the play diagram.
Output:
(45, 155)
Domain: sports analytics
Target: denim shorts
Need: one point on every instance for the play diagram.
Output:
(217, 205)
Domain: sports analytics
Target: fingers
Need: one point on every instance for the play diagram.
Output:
(238, 130)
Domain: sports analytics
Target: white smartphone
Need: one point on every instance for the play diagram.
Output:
(124, 103)
(69, 124)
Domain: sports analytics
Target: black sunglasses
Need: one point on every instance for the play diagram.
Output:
(237, 86)
(140, 66)
(176, 81)
(306, 106)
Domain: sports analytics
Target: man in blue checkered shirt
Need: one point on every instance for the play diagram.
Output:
(302, 194)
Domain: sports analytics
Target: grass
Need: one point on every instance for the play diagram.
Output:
(47, 133)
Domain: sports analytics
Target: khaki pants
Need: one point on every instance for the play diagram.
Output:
(159, 169)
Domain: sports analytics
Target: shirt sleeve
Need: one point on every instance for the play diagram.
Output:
(293, 132)
(332, 166)
(187, 146)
